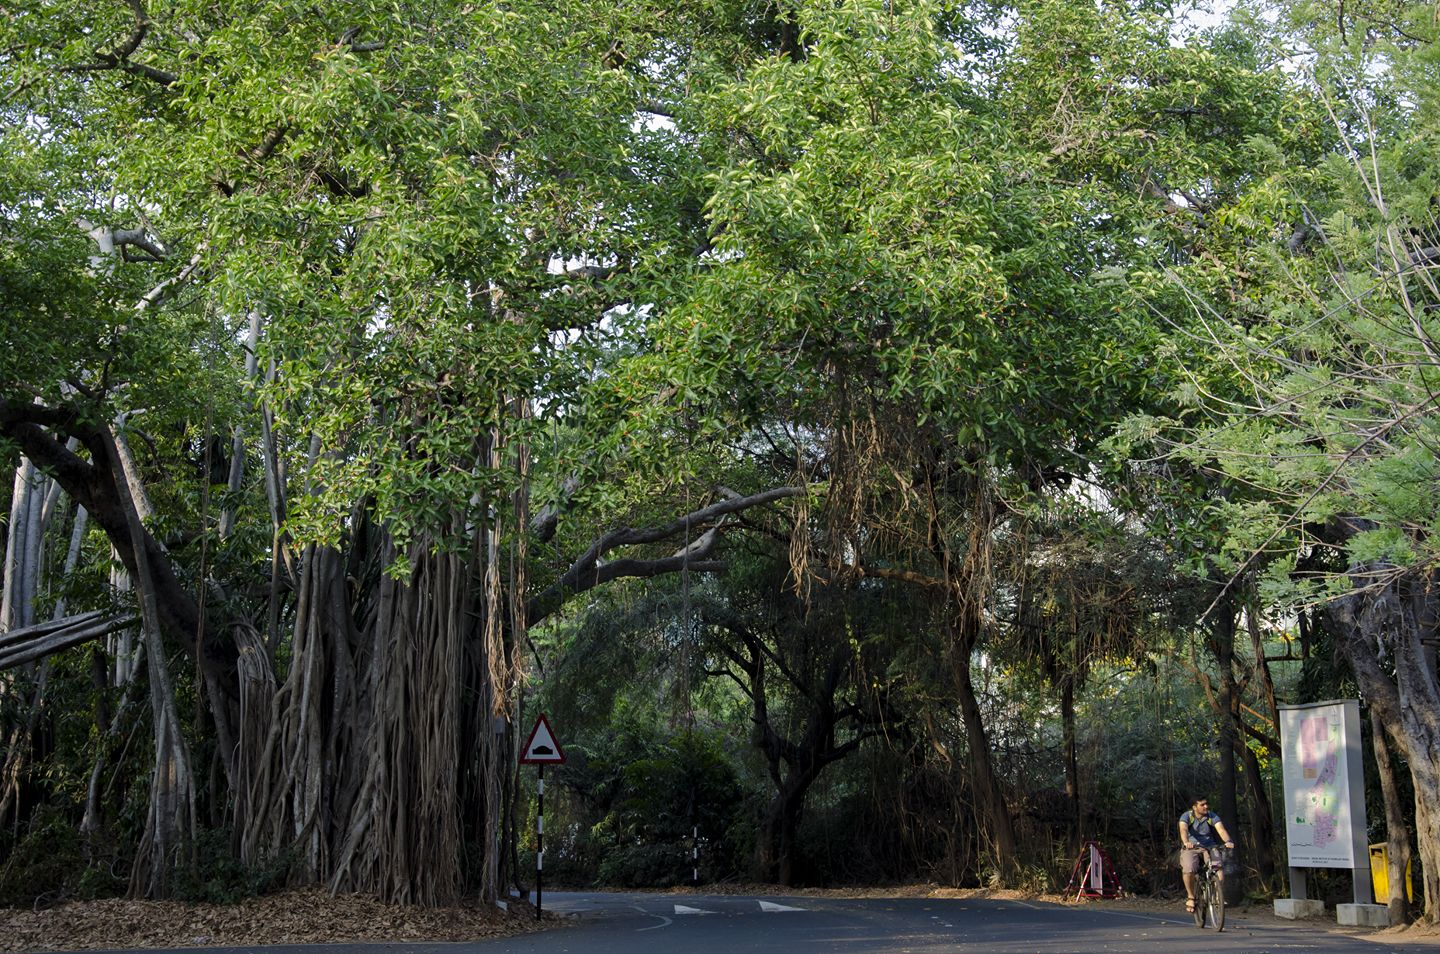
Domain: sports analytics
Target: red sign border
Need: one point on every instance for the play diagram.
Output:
(559, 750)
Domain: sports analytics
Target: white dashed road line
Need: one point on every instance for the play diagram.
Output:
(772, 906)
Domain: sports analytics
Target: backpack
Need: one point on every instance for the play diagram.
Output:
(1202, 829)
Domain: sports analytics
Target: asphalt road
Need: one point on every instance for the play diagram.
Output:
(639, 923)
(612, 923)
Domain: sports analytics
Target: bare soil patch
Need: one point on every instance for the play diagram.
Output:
(1427, 934)
(301, 916)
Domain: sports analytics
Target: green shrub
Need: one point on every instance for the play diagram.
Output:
(220, 877)
(47, 862)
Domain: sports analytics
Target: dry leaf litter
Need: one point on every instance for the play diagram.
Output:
(302, 916)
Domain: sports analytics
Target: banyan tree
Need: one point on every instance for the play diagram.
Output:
(284, 322)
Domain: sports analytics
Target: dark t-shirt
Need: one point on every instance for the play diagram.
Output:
(1202, 828)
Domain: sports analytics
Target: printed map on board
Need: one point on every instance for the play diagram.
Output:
(1316, 811)
(1324, 816)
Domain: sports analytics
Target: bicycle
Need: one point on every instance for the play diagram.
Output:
(1210, 893)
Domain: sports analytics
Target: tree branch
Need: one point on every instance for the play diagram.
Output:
(21, 646)
(139, 238)
(594, 273)
(119, 58)
(92, 484)
(167, 287)
(588, 572)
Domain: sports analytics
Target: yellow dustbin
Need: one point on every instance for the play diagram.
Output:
(1380, 874)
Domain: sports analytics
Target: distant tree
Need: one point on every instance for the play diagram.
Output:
(1316, 390)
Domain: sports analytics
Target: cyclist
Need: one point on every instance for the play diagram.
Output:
(1201, 834)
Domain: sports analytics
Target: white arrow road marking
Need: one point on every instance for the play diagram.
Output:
(682, 909)
(772, 906)
(663, 919)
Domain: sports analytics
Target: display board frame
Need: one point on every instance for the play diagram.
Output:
(1322, 762)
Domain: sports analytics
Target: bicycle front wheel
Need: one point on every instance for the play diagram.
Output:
(1215, 902)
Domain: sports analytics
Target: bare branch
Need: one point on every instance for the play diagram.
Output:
(167, 287)
(21, 646)
(139, 238)
(588, 571)
(594, 273)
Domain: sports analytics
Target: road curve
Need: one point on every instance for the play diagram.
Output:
(716, 924)
(617, 923)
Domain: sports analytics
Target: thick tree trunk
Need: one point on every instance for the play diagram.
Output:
(1397, 832)
(1426, 775)
(10, 574)
(289, 802)
(170, 817)
(1398, 620)
(1223, 636)
(492, 721)
(16, 610)
(34, 501)
(1072, 762)
(993, 807)
(404, 840)
(1262, 825)
(779, 842)
(493, 663)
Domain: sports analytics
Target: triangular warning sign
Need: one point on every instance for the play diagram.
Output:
(542, 749)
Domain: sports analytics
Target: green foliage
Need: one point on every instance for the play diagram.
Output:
(889, 226)
(217, 876)
(632, 795)
(919, 256)
(52, 862)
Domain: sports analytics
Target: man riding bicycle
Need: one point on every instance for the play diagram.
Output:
(1201, 835)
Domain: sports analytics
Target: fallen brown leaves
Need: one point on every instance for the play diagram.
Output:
(301, 916)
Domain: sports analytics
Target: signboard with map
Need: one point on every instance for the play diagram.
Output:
(1324, 798)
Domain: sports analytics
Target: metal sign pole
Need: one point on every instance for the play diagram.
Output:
(541, 748)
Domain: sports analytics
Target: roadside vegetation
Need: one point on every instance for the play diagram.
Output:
(892, 442)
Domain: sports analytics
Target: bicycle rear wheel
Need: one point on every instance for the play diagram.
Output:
(1202, 901)
(1215, 902)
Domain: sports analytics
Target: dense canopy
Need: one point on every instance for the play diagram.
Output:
(970, 420)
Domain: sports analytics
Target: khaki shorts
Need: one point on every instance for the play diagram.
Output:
(1192, 860)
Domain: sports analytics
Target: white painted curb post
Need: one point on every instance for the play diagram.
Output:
(695, 855)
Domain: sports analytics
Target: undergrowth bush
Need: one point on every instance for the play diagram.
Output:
(219, 876)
